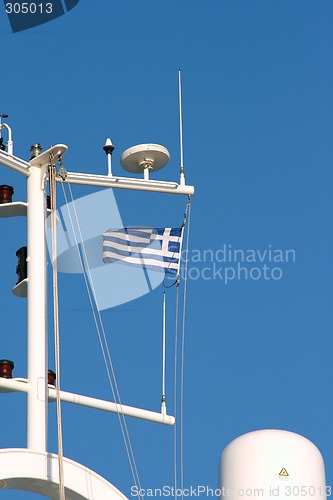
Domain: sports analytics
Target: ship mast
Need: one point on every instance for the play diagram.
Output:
(33, 468)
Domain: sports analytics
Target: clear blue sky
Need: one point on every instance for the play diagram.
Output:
(257, 106)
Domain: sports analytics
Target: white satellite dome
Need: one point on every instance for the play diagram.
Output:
(272, 464)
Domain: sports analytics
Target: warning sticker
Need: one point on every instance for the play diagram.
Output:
(283, 473)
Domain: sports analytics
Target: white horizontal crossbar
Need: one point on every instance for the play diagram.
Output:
(22, 385)
(14, 163)
(101, 404)
(127, 183)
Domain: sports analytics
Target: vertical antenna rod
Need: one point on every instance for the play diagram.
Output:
(163, 359)
(182, 173)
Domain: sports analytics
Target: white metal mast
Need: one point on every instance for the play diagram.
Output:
(37, 289)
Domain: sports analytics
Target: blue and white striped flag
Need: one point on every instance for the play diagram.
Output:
(157, 249)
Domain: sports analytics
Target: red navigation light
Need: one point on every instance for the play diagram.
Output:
(21, 268)
(6, 193)
(51, 377)
(6, 368)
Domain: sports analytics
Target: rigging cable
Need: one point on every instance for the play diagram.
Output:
(175, 394)
(175, 435)
(52, 181)
(181, 433)
(102, 338)
(180, 238)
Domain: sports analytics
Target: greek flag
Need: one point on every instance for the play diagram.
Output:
(156, 249)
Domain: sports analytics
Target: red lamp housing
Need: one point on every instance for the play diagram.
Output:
(6, 368)
(51, 377)
(6, 193)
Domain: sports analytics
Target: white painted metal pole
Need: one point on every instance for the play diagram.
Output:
(14, 385)
(182, 173)
(37, 340)
(100, 404)
(109, 165)
(146, 173)
(127, 183)
(163, 358)
(14, 163)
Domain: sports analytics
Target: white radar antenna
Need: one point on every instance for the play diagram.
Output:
(145, 158)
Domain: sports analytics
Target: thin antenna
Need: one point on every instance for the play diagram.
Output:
(108, 148)
(182, 173)
(163, 359)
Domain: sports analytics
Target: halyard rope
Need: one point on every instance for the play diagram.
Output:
(187, 219)
(175, 394)
(52, 178)
(181, 432)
